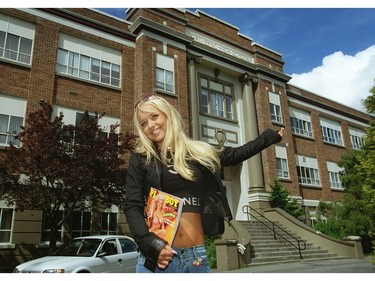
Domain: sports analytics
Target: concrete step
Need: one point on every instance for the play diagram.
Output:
(266, 249)
(278, 259)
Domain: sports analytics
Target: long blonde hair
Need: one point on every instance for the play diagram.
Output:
(185, 149)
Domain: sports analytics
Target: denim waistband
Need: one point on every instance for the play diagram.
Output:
(187, 249)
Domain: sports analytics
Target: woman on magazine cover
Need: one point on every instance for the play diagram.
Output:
(167, 159)
(156, 217)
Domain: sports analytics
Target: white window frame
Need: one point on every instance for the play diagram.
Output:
(300, 122)
(282, 162)
(331, 131)
(275, 107)
(107, 218)
(216, 97)
(356, 137)
(307, 171)
(10, 108)
(20, 48)
(165, 73)
(83, 59)
(3, 229)
(334, 175)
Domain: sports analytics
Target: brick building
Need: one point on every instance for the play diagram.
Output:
(224, 85)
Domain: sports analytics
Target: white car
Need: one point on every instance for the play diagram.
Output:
(89, 254)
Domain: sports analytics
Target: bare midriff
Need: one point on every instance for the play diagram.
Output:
(190, 231)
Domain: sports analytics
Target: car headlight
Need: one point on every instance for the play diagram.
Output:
(54, 270)
(16, 270)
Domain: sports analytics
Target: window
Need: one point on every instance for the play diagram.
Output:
(282, 162)
(312, 215)
(81, 224)
(275, 107)
(6, 219)
(46, 227)
(127, 245)
(300, 122)
(334, 172)
(80, 116)
(307, 170)
(16, 39)
(356, 137)
(164, 73)
(109, 224)
(74, 117)
(331, 131)
(12, 111)
(87, 60)
(216, 98)
(10, 127)
(109, 248)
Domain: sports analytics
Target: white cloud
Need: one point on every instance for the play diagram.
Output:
(342, 78)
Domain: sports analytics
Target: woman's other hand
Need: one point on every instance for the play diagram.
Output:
(165, 256)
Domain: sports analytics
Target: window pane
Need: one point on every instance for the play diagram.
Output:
(115, 75)
(204, 82)
(113, 221)
(25, 50)
(2, 40)
(6, 219)
(228, 105)
(169, 80)
(84, 67)
(95, 69)
(15, 125)
(11, 47)
(25, 46)
(4, 119)
(76, 220)
(204, 101)
(4, 236)
(105, 72)
(160, 78)
(86, 223)
(104, 221)
(169, 77)
(73, 63)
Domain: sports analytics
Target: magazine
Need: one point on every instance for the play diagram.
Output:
(163, 213)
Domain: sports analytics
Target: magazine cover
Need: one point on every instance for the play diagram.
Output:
(163, 212)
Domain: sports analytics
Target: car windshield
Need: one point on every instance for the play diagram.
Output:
(78, 247)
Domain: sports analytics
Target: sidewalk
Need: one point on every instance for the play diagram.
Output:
(311, 266)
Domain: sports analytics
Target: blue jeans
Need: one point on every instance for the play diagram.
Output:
(187, 260)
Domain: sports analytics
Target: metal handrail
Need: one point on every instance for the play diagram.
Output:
(245, 210)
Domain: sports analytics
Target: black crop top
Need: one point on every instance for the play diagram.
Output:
(192, 192)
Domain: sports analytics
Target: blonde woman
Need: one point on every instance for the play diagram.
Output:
(166, 158)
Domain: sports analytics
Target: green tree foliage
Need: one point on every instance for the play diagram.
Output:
(353, 215)
(280, 198)
(64, 167)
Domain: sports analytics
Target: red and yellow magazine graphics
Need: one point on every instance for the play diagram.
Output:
(163, 212)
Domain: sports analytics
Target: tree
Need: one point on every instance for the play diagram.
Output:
(280, 198)
(64, 167)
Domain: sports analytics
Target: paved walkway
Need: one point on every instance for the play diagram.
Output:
(311, 266)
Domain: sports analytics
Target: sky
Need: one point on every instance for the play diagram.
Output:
(328, 48)
(329, 51)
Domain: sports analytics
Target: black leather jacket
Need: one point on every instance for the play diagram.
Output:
(142, 176)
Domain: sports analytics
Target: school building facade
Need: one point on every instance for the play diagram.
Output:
(227, 88)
